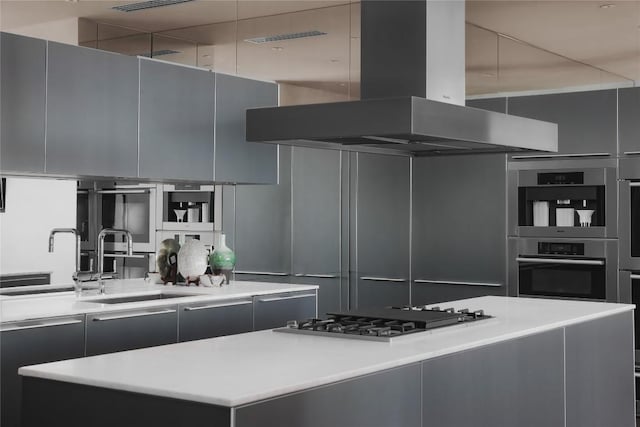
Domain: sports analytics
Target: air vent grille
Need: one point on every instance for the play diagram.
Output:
(158, 53)
(289, 36)
(132, 7)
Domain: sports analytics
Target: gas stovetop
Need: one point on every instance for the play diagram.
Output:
(383, 324)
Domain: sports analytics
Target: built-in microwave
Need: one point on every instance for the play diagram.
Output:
(563, 200)
(564, 268)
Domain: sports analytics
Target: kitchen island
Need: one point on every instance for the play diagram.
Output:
(536, 363)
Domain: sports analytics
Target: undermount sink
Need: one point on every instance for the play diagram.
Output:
(136, 298)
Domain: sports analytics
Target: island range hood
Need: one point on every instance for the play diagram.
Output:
(412, 94)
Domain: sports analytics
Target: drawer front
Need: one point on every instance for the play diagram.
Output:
(214, 319)
(273, 311)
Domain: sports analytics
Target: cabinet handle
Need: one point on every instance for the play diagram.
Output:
(124, 256)
(318, 276)
(635, 276)
(631, 153)
(634, 184)
(130, 315)
(561, 261)
(262, 273)
(450, 282)
(382, 279)
(14, 327)
(204, 307)
(285, 298)
(555, 156)
(139, 191)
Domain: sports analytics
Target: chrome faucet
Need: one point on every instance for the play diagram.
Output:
(101, 236)
(75, 233)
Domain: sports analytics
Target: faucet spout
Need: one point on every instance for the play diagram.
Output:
(101, 236)
(70, 231)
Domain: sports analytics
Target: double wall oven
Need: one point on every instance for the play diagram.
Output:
(563, 228)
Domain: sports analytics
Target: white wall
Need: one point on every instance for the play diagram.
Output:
(33, 208)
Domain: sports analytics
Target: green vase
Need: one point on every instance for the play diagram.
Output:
(222, 259)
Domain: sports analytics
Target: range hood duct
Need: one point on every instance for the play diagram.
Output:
(412, 94)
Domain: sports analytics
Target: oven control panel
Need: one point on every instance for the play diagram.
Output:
(560, 248)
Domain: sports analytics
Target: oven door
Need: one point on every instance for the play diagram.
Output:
(630, 294)
(629, 225)
(554, 277)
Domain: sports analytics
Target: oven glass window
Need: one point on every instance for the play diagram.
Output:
(562, 280)
(635, 221)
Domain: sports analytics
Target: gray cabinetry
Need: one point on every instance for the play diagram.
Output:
(22, 113)
(587, 121)
(28, 343)
(273, 311)
(236, 159)
(213, 319)
(525, 375)
(260, 217)
(128, 330)
(593, 397)
(345, 404)
(628, 120)
(459, 227)
(177, 109)
(382, 216)
(316, 224)
(92, 112)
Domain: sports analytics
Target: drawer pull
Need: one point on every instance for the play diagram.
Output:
(131, 315)
(262, 273)
(204, 307)
(285, 298)
(382, 279)
(14, 327)
(317, 276)
(559, 156)
(450, 282)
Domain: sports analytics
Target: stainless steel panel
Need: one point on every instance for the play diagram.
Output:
(628, 125)
(499, 105)
(22, 113)
(236, 159)
(92, 112)
(459, 219)
(599, 397)
(263, 223)
(177, 109)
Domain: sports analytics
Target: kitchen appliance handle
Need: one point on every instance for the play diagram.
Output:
(634, 184)
(450, 282)
(229, 304)
(140, 191)
(561, 261)
(382, 279)
(285, 298)
(130, 315)
(317, 276)
(631, 153)
(554, 156)
(124, 256)
(262, 273)
(45, 324)
(635, 276)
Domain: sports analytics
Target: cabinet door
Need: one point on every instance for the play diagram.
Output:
(30, 343)
(459, 226)
(425, 292)
(316, 224)
(22, 113)
(177, 111)
(273, 311)
(382, 200)
(236, 159)
(214, 319)
(92, 112)
(629, 125)
(263, 223)
(587, 121)
(128, 330)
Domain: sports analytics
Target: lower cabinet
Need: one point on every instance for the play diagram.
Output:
(329, 291)
(273, 311)
(374, 292)
(255, 276)
(214, 319)
(128, 330)
(29, 343)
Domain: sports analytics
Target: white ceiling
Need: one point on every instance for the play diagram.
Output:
(566, 43)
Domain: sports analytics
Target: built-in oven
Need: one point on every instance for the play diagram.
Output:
(561, 200)
(629, 284)
(564, 268)
(629, 214)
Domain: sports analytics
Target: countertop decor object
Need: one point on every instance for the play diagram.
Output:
(222, 259)
(192, 260)
(166, 260)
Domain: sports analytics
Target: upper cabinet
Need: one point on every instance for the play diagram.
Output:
(629, 123)
(92, 113)
(236, 159)
(23, 87)
(177, 111)
(587, 121)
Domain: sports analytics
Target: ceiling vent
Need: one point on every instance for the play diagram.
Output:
(158, 53)
(132, 7)
(289, 36)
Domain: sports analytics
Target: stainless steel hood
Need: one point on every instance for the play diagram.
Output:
(412, 90)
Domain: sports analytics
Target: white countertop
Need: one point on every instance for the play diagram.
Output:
(239, 369)
(18, 308)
